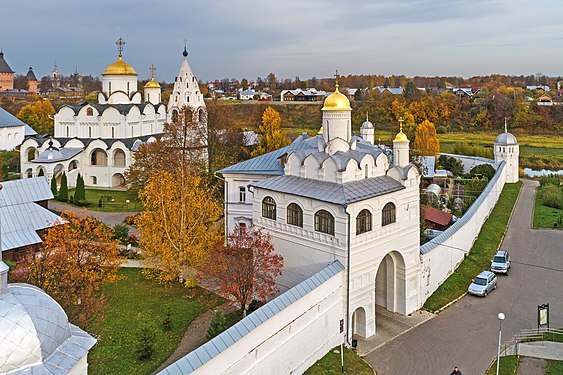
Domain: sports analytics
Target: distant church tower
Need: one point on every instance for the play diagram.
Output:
(6, 74)
(367, 130)
(56, 77)
(507, 150)
(152, 89)
(186, 92)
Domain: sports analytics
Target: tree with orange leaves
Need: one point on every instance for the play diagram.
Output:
(75, 259)
(245, 268)
(426, 142)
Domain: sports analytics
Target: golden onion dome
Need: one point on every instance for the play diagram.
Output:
(401, 137)
(320, 132)
(152, 84)
(336, 102)
(120, 68)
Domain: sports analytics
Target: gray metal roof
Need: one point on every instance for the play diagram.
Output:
(269, 163)
(197, 358)
(36, 334)
(53, 155)
(20, 217)
(437, 241)
(332, 192)
(8, 120)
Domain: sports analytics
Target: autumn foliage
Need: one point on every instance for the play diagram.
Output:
(246, 267)
(178, 224)
(271, 137)
(426, 143)
(39, 116)
(76, 258)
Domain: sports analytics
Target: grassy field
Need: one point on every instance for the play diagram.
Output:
(481, 253)
(331, 364)
(546, 217)
(113, 200)
(508, 366)
(554, 368)
(133, 301)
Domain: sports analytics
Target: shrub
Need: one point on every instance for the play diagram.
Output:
(218, 324)
(54, 187)
(63, 191)
(121, 231)
(131, 219)
(551, 196)
(551, 179)
(441, 129)
(167, 321)
(486, 170)
(146, 340)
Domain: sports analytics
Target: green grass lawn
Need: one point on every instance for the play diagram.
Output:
(508, 366)
(554, 368)
(546, 217)
(119, 203)
(134, 300)
(479, 257)
(331, 364)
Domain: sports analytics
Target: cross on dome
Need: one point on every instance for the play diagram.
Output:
(337, 77)
(120, 45)
(401, 124)
(505, 126)
(152, 69)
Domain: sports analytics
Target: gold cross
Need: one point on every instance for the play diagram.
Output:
(152, 69)
(401, 123)
(120, 44)
(337, 76)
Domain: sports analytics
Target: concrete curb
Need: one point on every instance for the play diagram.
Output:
(449, 304)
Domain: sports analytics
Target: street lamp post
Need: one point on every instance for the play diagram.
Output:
(500, 318)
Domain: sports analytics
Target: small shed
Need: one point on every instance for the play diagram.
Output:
(436, 219)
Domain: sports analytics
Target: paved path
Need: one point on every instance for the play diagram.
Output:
(108, 218)
(466, 334)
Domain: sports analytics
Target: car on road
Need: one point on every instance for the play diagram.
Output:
(501, 262)
(483, 284)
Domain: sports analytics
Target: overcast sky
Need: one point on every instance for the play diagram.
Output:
(305, 38)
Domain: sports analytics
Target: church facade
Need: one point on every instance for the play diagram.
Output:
(98, 140)
(337, 196)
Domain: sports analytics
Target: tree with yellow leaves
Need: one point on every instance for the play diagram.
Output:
(271, 137)
(77, 256)
(178, 225)
(39, 116)
(426, 143)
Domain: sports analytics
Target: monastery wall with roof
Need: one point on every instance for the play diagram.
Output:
(285, 336)
(443, 254)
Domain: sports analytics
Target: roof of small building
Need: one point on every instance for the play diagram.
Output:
(197, 358)
(122, 108)
(20, 216)
(52, 155)
(506, 138)
(436, 216)
(36, 336)
(4, 67)
(332, 192)
(8, 120)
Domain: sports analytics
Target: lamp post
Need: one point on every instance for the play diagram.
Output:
(500, 318)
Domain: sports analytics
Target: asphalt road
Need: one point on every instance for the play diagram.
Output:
(466, 333)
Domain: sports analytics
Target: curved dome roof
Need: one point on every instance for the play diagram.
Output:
(33, 326)
(152, 84)
(367, 125)
(506, 138)
(401, 137)
(336, 102)
(120, 68)
(53, 154)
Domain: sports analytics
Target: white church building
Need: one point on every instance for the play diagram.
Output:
(337, 196)
(98, 140)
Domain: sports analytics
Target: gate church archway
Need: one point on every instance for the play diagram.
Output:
(390, 283)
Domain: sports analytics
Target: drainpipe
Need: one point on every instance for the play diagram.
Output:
(226, 204)
(347, 278)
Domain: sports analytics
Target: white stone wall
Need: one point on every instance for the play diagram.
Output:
(11, 137)
(442, 255)
(289, 342)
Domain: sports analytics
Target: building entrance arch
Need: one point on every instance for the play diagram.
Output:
(359, 326)
(390, 285)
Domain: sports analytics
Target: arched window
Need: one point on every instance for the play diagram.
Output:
(99, 157)
(94, 180)
(242, 228)
(388, 214)
(119, 158)
(89, 112)
(295, 215)
(174, 116)
(67, 131)
(127, 88)
(363, 222)
(367, 170)
(324, 222)
(269, 208)
(110, 88)
(31, 154)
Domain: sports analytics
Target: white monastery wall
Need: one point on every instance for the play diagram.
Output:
(288, 342)
(442, 255)
(11, 137)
